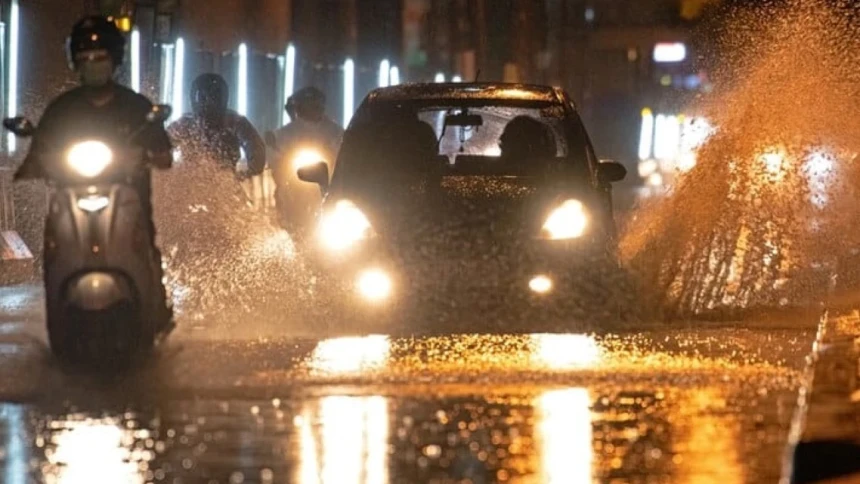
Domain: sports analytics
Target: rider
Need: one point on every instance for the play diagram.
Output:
(99, 107)
(212, 131)
(310, 136)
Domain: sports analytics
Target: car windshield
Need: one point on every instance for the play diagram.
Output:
(462, 138)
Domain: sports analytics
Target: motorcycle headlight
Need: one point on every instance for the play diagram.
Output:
(89, 158)
(93, 203)
(344, 226)
(306, 157)
(568, 221)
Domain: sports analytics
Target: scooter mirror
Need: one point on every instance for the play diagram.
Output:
(20, 125)
(159, 113)
(315, 173)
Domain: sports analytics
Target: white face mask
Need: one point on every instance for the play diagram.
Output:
(96, 73)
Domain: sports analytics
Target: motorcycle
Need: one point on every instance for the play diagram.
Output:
(298, 202)
(105, 301)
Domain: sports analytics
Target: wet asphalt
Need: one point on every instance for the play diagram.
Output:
(652, 404)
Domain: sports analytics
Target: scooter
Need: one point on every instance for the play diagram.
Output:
(105, 300)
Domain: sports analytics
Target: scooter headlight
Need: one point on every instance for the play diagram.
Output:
(344, 226)
(93, 203)
(568, 221)
(89, 158)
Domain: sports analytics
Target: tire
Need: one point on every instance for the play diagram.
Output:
(109, 340)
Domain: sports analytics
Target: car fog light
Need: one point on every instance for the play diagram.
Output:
(540, 284)
(374, 285)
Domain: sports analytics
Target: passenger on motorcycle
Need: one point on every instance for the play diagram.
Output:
(212, 133)
(311, 136)
(98, 109)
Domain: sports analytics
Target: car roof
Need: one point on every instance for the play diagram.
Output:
(478, 91)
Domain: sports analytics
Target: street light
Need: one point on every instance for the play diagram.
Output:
(242, 104)
(289, 78)
(439, 77)
(167, 57)
(646, 135)
(348, 90)
(135, 60)
(456, 79)
(394, 76)
(12, 106)
(384, 73)
(178, 79)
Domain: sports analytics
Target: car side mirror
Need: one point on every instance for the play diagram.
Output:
(315, 173)
(159, 113)
(609, 171)
(20, 125)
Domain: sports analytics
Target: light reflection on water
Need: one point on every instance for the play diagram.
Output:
(350, 354)
(565, 435)
(344, 440)
(94, 451)
(529, 432)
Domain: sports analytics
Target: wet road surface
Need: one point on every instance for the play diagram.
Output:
(655, 405)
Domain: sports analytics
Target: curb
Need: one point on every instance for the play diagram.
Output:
(824, 444)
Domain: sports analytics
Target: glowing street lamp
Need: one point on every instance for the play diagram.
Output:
(135, 60)
(289, 77)
(12, 102)
(394, 76)
(348, 90)
(384, 73)
(439, 77)
(242, 104)
(178, 78)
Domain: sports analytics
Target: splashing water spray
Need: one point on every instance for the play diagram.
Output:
(767, 217)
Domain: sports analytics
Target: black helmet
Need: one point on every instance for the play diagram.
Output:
(96, 33)
(309, 96)
(209, 94)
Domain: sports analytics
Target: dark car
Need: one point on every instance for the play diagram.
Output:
(465, 199)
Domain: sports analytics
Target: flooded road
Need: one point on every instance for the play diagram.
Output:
(658, 405)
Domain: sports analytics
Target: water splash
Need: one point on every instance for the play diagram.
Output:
(760, 221)
(226, 260)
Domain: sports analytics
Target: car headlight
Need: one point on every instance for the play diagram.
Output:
(568, 221)
(89, 158)
(344, 226)
(307, 157)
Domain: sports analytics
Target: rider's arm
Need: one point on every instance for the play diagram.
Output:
(253, 144)
(159, 150)
(32, 167)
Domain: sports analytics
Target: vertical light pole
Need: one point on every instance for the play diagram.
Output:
(135, 60)
(242, 104)
(289, 78)
(167, 66)
(384, 74)
(178, 79)
(348, 90)
(12, 100)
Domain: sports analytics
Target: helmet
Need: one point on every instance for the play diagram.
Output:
(209, 94)
(96, 33)
(309, 96)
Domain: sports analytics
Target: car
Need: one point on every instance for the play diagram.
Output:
(465, 199)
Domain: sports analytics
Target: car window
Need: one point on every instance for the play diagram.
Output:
(513, 139)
